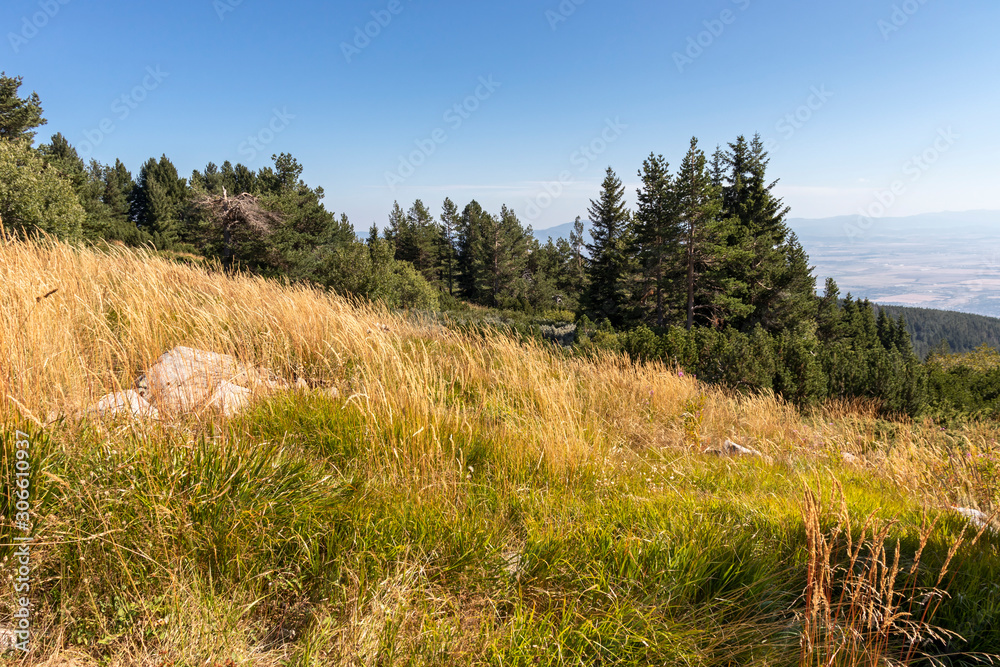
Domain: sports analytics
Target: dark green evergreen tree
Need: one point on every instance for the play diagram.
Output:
(711, 293)
(447, 254)
(773, 268)
(503, 249)
(606, 295)
(422, 242)
(158, 202)
(471, 263)
(18, 116)
(657, 236)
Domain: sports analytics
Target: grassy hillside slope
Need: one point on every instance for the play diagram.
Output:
(446, 498)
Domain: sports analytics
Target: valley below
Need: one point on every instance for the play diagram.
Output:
(947, 261)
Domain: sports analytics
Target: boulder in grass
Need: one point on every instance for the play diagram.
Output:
(125, 404)
(185, 379)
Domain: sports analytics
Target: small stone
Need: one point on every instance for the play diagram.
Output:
(513, 564)
(849, 458)
(730, 448)
(975, 517)
(8, 639)
(125, 404)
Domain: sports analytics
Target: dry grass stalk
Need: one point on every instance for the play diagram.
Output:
(858, 610)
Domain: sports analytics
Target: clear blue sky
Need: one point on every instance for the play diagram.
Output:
(558, 79)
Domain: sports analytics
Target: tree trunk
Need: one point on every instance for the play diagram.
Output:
(690, 280)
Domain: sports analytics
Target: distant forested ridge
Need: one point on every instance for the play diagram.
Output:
(928, 328)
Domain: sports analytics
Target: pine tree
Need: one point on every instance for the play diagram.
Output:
(158, 201)
(471, 265)
(504, 252)
(18, 116)
(606, 295)
(657, 233)
(710, 290)
(421, 242)
(779, 285)
(828, 313)
(64, 158)
(446, 244)
(397, 228)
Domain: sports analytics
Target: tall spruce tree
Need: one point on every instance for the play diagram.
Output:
(422, 241)
(397, 229)
(158, 200)
(471, 265)
(606, 295)
(773, 267)
(710, 291)
(657, 234)
(447, 257)
(503, 248)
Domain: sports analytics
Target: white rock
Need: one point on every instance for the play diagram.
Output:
(849, 458)
(229, 398)
(183, 379)
(975, 517)
(125, 404)
(8, 639)
(513, 564)
(730, 448)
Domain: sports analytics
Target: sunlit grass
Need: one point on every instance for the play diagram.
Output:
(433, 496)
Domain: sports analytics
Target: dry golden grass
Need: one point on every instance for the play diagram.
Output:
(107, 316)
(76, 324)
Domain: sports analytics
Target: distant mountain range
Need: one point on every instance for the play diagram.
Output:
(944, 261)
